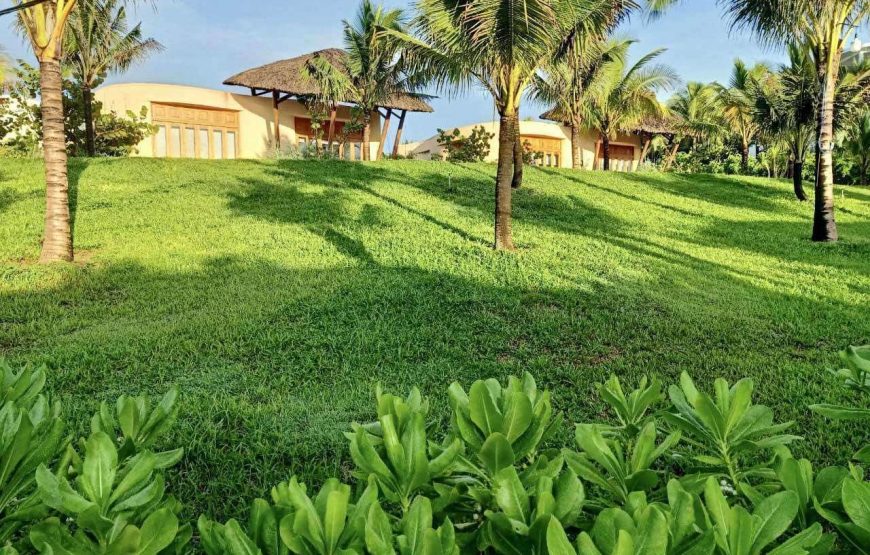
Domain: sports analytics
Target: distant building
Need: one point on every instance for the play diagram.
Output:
(551, 140)
(194, 122)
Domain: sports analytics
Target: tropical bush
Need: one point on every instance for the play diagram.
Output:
(676, 471)
(116, 134)
(474, 148)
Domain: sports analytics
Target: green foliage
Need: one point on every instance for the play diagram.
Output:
(856, 377)
(31, 435)
(730, 433)
(474, 148)
(114, 500)
(501, 425)
(21, 123)
(394, 450)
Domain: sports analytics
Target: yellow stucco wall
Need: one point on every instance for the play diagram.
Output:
(589, 139)
(255, 113)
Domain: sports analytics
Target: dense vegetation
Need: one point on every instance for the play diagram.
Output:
(275, 295)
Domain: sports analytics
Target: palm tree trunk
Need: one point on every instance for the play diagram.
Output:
(57, 241)
(519, 163)
(88, 108)
(367, 139)
(576, 154)
(605, 147)
(798, 180)
(673, 155)
(504, 176)
(744, 158)
(824, 224)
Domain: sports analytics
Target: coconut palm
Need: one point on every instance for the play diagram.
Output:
(565, 85)
(372, 61)
(625, 95)
(45, 25)
(695, 115)
(99, 42)
(333, 86)
(738, 106)
(500, 45)
(825, 25)
(786, 110)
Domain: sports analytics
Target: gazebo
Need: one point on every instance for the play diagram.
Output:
(283, 80)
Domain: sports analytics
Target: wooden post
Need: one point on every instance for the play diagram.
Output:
(597, 150)
(399, 133)
(276, 102)
(385, 130)
(647, 139)
(331, 136)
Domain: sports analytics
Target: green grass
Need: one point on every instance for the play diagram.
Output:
(276, 295)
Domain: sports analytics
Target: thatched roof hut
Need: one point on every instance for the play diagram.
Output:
(285, 77)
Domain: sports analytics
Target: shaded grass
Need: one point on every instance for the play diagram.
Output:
(277, 294)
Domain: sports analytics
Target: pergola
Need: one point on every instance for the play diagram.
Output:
(284, 80)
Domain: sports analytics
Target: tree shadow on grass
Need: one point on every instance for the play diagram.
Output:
(275, 362)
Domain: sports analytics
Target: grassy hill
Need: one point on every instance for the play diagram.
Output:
(276, 295)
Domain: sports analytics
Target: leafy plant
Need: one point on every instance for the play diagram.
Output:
(730, 433)
(473, 148)
(394, 449)
(113, 505)
(262, 534)
(501, 425)
(31, 435)
(416, 533)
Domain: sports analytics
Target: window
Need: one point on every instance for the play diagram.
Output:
(175, 142)
(549, 149)
(231, 145)
(160, 142)
(195, 131)
(204, 149)
(189, 142)
(217, 151)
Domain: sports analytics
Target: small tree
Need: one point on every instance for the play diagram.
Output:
(100, 42)
(474, 148)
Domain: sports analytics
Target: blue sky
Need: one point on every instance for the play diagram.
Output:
(208, 40)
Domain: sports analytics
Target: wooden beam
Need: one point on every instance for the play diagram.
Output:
(647, 139)
(385, 132)
(276, 103)
(399, 133)
(597, 150)
(331, 135)
(255, 92)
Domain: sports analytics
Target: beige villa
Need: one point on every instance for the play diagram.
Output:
(194, 122)
(553, 142)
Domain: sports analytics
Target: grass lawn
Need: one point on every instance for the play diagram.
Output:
(276, 295)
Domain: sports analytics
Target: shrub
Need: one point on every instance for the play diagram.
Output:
(474, 148)
(696, 472)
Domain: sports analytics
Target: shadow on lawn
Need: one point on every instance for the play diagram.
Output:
(274, 362)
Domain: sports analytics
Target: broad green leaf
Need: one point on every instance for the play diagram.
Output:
(557, 541)
(99, 467)
(856, 502)
(496, 453)
(775, 514)
(483, 408)
(158, 532)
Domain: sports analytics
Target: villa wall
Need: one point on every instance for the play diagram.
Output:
(253, 114)
(590, 140)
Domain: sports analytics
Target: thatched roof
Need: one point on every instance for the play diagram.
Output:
(285, 76)
(656, 126)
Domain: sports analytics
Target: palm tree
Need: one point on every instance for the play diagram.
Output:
(333, 86)
(696, 115)
(786, 110)
(738, 102)
(825, 25)
(500, 45)
(4, 68)
(625, 95)
(858, 146)
(100, 42)
(372, 61)
(565, 85)
(44, 25)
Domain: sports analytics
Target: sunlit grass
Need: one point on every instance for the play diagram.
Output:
(276, 294)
